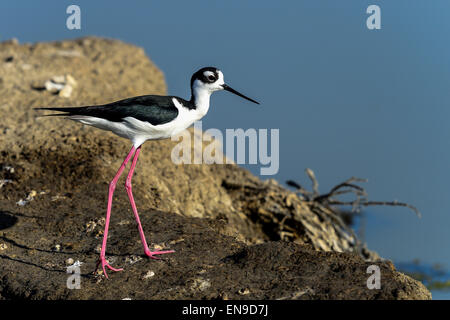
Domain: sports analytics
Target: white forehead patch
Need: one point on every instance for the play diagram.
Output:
(208, 73)
(220, 80)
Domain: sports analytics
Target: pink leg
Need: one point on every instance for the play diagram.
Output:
(112, 187)
(133, 206)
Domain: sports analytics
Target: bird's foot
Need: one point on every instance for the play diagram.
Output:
(104, 264)
(152, 254)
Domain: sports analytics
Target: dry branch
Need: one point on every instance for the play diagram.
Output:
(347, 187)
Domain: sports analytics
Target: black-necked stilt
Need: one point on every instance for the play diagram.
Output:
(147, 118)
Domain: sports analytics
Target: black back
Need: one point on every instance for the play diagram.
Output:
(150, 108)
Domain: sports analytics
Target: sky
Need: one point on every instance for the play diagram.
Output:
(348, 101)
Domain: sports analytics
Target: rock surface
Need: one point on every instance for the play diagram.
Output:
(235, 235)
(206, 264)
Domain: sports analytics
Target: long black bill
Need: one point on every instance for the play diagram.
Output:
(227, 88)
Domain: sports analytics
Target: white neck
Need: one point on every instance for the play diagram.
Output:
(200, 97)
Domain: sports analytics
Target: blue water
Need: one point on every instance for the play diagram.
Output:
(348, 101)
(439, 295)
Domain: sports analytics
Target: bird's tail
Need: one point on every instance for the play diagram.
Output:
(67, 112)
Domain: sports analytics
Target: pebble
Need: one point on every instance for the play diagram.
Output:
(133, 259)
(244, 292)
(176, 241)
(90, 226)
(3, 246)
(224, 296)
(21, 202)
(57, 197)
(76, 263)
(61, 85)
(200, 284)
(149, 274)
(53, 87)
(29, 198)
(70, 261)
(4, 182)
(9, 169)
(66, 91)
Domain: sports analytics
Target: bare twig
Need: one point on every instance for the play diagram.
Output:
(305, 193)
(314, 181)
(359, 191)
(378, 203)
(348, 186)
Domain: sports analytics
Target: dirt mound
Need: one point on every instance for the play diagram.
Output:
(54, 178)
(206, 264)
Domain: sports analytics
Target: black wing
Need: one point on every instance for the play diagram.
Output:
(153, 109)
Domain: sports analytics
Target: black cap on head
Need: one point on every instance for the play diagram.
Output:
(212, 76)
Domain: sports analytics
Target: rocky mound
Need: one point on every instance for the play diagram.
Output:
(206, 264)
(55, 175)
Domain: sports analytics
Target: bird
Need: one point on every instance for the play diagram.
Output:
(142, 118)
